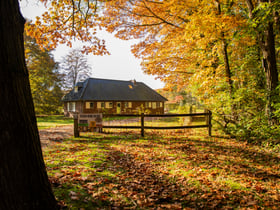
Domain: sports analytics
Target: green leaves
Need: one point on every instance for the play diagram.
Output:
(45, 80)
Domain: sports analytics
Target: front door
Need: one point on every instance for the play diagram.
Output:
(118, 107)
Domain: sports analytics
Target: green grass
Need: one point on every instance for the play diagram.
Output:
(164, 169)
(45, 122)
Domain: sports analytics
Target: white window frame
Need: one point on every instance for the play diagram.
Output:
(71, 106)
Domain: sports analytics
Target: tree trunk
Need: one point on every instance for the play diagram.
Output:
(227, 67)
(270, 68)
(267, 46)
(23, 179)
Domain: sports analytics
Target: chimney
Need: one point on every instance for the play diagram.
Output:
(133, 82)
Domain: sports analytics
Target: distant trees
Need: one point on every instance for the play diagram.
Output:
(75, 68)
(48, 79)
(45, 78)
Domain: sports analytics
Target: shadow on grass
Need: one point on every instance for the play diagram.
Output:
(169, 172)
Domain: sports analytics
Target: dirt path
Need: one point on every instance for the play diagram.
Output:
(55, 134)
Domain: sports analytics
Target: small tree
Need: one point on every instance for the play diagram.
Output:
(75, 68)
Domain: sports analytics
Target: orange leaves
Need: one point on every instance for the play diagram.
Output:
(179, 39)
(65, 22)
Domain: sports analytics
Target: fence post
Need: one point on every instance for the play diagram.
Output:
(76, 129)
(142, 124)
(191, 111)
(209, 123)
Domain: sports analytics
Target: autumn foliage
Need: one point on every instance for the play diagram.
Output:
(65, 22)
(222, 51)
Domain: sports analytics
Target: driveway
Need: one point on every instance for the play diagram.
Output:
(55, 134)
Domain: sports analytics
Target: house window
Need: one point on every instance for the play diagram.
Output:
(100, 105)
(148, 104)
(109, 105)
(127, 104)
(154, 105)
(160, 104)
(89, 105)
(71, 106)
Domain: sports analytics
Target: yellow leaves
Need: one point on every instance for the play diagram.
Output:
(60, 25)
(178, 37)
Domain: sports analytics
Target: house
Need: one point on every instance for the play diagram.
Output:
(113, 97)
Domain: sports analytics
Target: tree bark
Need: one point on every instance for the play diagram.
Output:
(270, 68)
(267, 45)
(23, 179)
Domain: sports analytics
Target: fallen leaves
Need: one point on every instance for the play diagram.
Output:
(177, 173)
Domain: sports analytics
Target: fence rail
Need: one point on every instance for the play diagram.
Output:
(207, 115)
(208, 124)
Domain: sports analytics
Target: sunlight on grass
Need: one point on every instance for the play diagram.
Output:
(53, 121)
(101, 171)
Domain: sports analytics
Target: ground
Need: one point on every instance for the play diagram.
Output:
(163, 170)
(57, 133)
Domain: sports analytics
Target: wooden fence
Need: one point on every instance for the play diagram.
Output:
(207, 115)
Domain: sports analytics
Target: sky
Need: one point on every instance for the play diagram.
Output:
(120, 65)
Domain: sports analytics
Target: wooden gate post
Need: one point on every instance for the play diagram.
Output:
(209, 123)
(142, 124)
(76, 129)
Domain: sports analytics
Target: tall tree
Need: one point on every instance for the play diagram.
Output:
(266, 19)
(45, 78)
(23, 178)
(75, 68)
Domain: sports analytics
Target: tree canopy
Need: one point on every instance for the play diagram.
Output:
(223, 51)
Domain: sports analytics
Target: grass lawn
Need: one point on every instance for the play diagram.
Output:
(45, 122)
(163, 170)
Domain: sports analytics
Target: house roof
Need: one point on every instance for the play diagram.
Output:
(112, 90)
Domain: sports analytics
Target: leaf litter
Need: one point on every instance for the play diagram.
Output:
(163, 172)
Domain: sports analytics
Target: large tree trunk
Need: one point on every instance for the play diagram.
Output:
(270, 68)
(267, 46)
(23, 178)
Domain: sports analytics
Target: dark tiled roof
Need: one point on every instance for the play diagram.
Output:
(113, 90)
